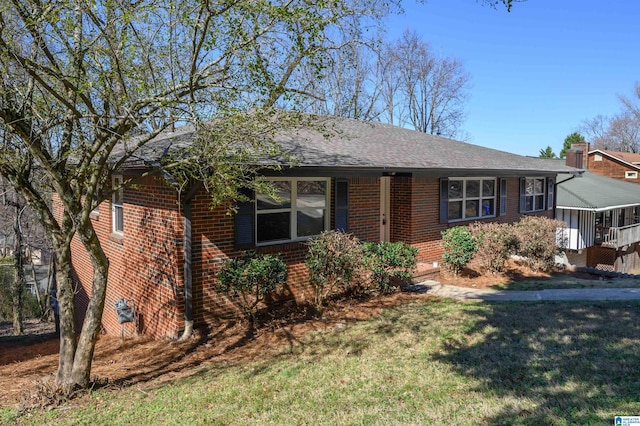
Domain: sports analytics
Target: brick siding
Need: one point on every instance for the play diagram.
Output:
(610, 168)
(146, 264)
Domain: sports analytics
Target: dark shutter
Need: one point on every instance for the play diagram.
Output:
(244, 225)
(342, 205)
(444, 200)
(550, 190)
(523, 190)
(503, 197)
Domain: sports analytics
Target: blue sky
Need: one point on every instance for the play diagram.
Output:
(538, 71)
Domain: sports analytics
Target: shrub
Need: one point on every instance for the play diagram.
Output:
(538, 241)
(334, 261)
(390, 263)
(251, 277)
(459, 246)
(495, 243)
(30, 305)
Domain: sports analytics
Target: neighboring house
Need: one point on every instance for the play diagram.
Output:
(624, 166)
(377, 181)
(601, 209)
(603, 221)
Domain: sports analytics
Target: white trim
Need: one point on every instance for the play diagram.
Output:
(628, 174)
(118, 193)
(480, 198)
(598, 209)
(293, 209)
(385, 204)
(635, 166)
(544, 194)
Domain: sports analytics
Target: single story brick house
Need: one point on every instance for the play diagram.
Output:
(377, 181)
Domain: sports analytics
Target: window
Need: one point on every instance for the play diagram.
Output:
(469, 198)
(604, 221)
(597, 157)
(116, 206)
(532, 194)
(298, 211)
(503, 197)
(631, 175)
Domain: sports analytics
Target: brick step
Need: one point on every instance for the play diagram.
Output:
(425, 271)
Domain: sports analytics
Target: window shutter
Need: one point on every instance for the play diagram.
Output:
(444, 200)
(523, 190)
(503, 197)
(342, 205)
(244, 225)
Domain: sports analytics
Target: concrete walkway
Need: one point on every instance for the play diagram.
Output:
(463, 293)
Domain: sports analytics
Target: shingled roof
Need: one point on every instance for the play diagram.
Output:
(631, 158)
(357, 145)
(595, 193)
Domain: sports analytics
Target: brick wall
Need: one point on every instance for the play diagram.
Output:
(610, 168)
(143, 262)
(146, 263)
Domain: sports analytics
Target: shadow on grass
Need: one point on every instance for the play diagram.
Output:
(575, 361)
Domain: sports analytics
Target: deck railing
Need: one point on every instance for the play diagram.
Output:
(622, 236)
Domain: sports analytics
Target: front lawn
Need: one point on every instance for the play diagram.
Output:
(428, 362)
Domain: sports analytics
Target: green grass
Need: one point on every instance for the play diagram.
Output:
(429, 362)
(560, 281)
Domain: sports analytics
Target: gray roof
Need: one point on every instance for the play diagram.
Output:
(350, 144)
(594, 192)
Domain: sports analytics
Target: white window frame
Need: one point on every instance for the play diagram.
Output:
(293, 210)
(480, 198)
(117, 210)
(630, 175)
(535, 194)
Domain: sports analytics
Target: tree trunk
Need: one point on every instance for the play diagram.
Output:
(36, 287)
(92, 321)
(65, 297)
(17, 294)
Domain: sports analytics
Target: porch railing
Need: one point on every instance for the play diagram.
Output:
(622, 236)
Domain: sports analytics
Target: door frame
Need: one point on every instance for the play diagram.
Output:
(385, 208)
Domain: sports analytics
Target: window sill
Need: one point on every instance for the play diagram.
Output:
(116, 237)
(471, 219)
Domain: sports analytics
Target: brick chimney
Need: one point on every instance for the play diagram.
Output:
(576, 156)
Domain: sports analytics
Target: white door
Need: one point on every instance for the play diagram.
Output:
(385, 200)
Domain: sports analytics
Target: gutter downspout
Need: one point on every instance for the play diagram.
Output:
(188, 259)
(187, 246)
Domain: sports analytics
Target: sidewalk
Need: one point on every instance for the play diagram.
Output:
(464, 293)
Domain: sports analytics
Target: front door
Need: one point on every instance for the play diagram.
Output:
(385, 200)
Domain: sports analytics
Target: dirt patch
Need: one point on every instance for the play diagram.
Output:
(515, 271)
(27, 361)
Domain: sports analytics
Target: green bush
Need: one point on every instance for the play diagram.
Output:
(390, 264)
(459, 246)
(250, 278)
(30, 306)
(334, 260)
(495, 242)
(538, 241)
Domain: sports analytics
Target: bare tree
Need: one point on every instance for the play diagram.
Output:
(621, 132)
(432, 89)
(81, 78)
(595, 131)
